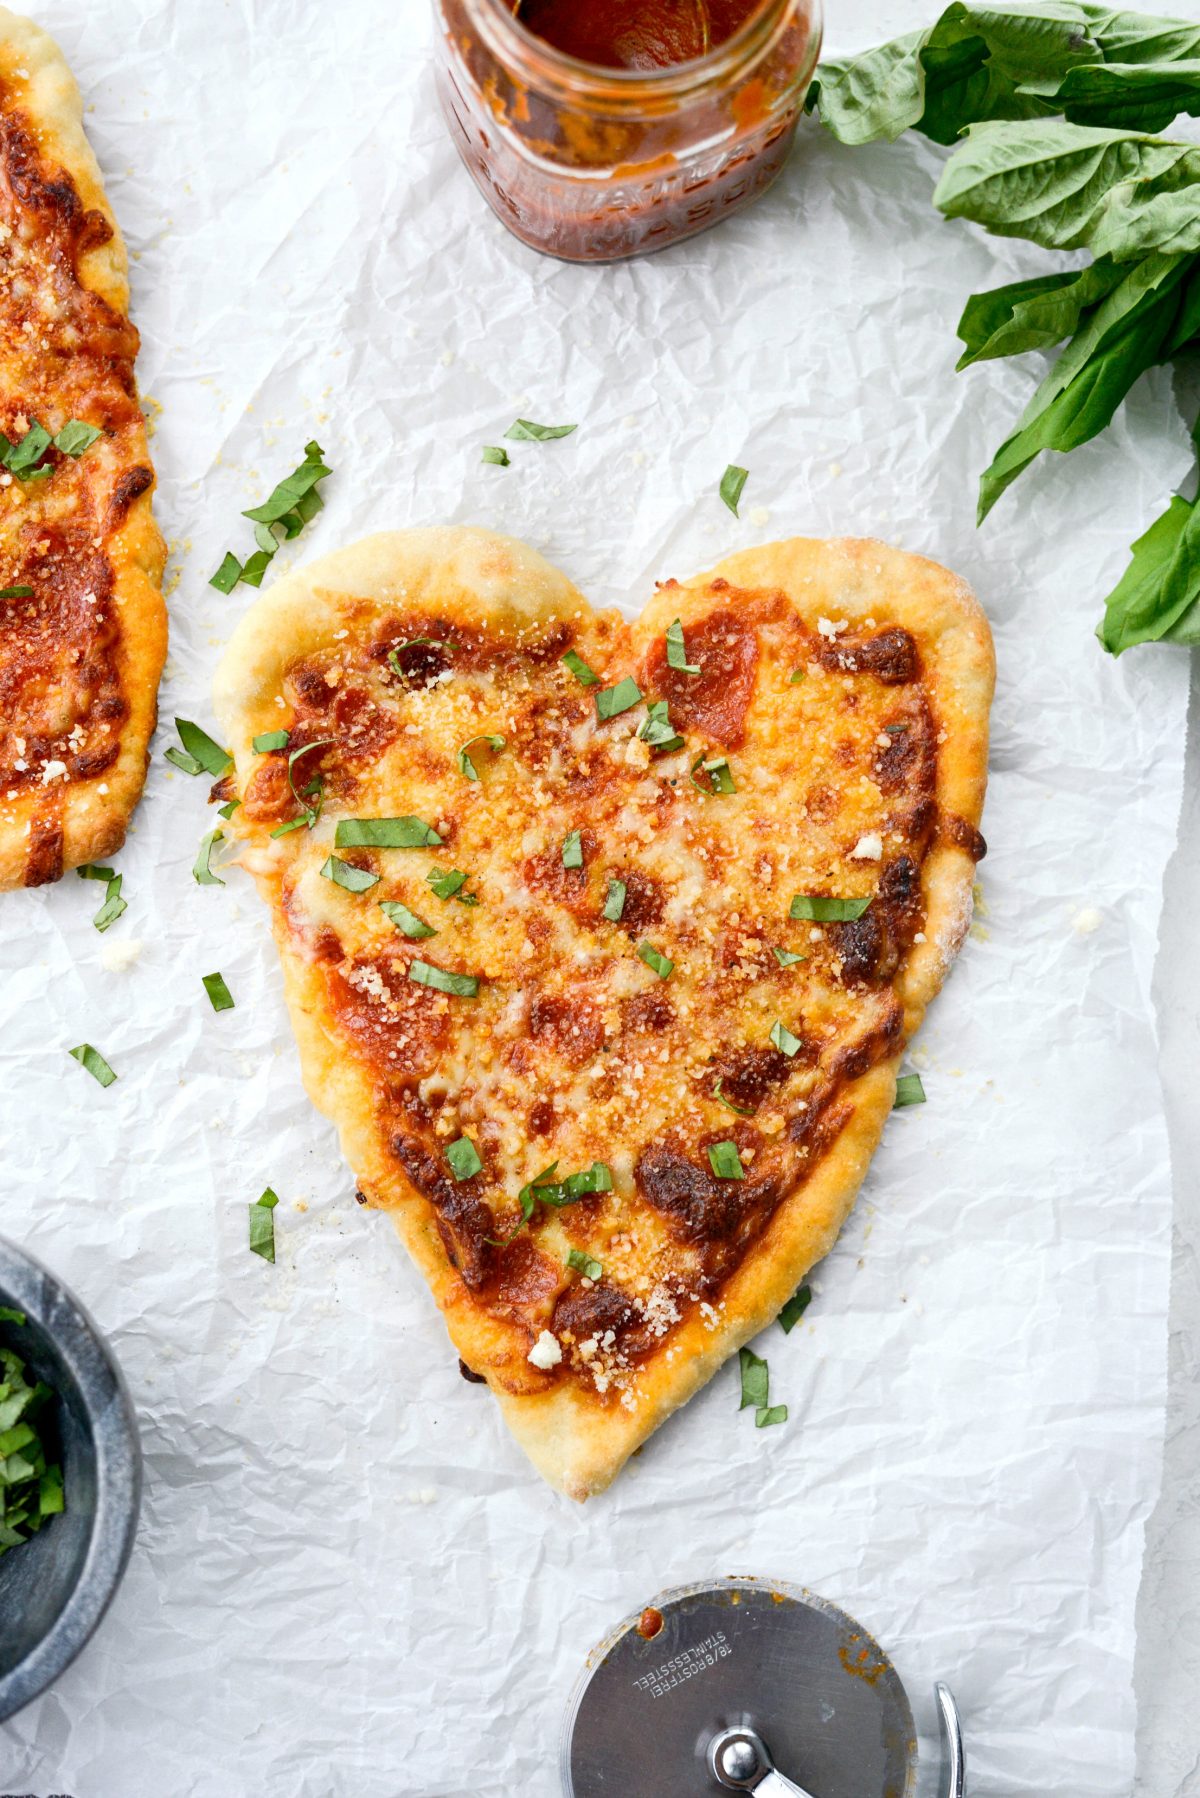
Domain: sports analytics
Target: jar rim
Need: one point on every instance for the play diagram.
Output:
(509, 39)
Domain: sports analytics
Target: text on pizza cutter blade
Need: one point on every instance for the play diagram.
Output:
(742, 1686)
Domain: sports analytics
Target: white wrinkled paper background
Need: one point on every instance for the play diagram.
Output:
(348, 1583)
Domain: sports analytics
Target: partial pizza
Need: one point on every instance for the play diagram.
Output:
(82, 623)
(602, 941)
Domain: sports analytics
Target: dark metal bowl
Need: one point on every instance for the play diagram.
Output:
(55, 1588)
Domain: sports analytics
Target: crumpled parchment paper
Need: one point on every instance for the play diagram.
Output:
(348, 1581)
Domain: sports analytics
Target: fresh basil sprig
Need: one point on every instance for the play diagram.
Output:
(1055, 109)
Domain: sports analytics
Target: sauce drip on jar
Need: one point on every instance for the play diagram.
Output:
(635, 34)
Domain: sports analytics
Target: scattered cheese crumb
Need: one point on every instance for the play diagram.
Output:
(546, 1351)
(116, 957)
(831, 627)
(868, 848)
(1087, 920)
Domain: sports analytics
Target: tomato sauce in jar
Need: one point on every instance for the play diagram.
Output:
(598, 129)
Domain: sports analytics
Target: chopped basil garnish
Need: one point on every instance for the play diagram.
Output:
(345, 874)
(572, 850)
(909, 1091)
(787, 958)
(725, 1162)
(524, 431)
(755, 1378)
(661, 964)
(218, 993)
(827, 911)
(282, 516)
(464, 986)
(21, 458)
(784, 1041)
(113, 905)
(766, 1415)
(94, 1062)
(614, 904)
(795, 1308)
(558, 1193)
(9, 1316)
(463, 1157)
(796, 676)
(227, 810)
(31, 1489)
(76, 437)
(610, 701)
(448, 885)
(657, 730)
(262, 1225)
(315, 790)
(585, 1264)
(202, 873)
(677, 650)
(732, 482)
(270, 740)
(720, 778)
(466, 765)
(406, 920)
(743, 1111)
(199, 755)
(385, 833)
(446, 643)
(494, 454)
(16, 592)
(587, 677)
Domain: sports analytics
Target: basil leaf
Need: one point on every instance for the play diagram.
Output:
(262, 1225)
(219, 994)
(9, 1316)
(1032, 315)
(202, 873)
(732, 483)
(725, 1162)
(499, 458)
(909, 1091)
(448, 885)
(314, 789)
(526, 432)
(228, 574)
(385, 833)
(293, 490)
(464, 1160)
(611, 701)
(742, 1111)
(755, 1378)
(464, 986)
(796, 676)
(92, 871)
(661, 964)
(614, 904)
(94, 1062)
(394, 663)
(794, 1310)
(766, 1415)
(209, 757)
(784, 1041)
(466, 765)
(405, 920)
(557, 1194)
(585, 1264)
(827, 911)
(21, 458)
(270, 740)
(255, 566)
(787, 958)
(677, 650)
(344, 874)
(587, 677)
(227, 810)
(16, 592)
(1131, 96)
(657, 729)
(1158, 596)
(76, 437)
(572, 850)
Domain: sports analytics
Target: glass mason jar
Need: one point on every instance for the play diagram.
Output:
(590, 163)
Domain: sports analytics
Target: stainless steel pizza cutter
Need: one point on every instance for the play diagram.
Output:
(743, 1686)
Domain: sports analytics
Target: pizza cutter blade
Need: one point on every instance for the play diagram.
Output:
(743, 1686)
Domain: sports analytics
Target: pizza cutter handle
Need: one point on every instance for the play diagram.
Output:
(954, 1761)
(742, 1762)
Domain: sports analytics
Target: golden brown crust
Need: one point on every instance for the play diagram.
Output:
(83, 656)
(838, 601)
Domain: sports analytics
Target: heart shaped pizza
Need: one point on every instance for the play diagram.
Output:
(602, 941)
